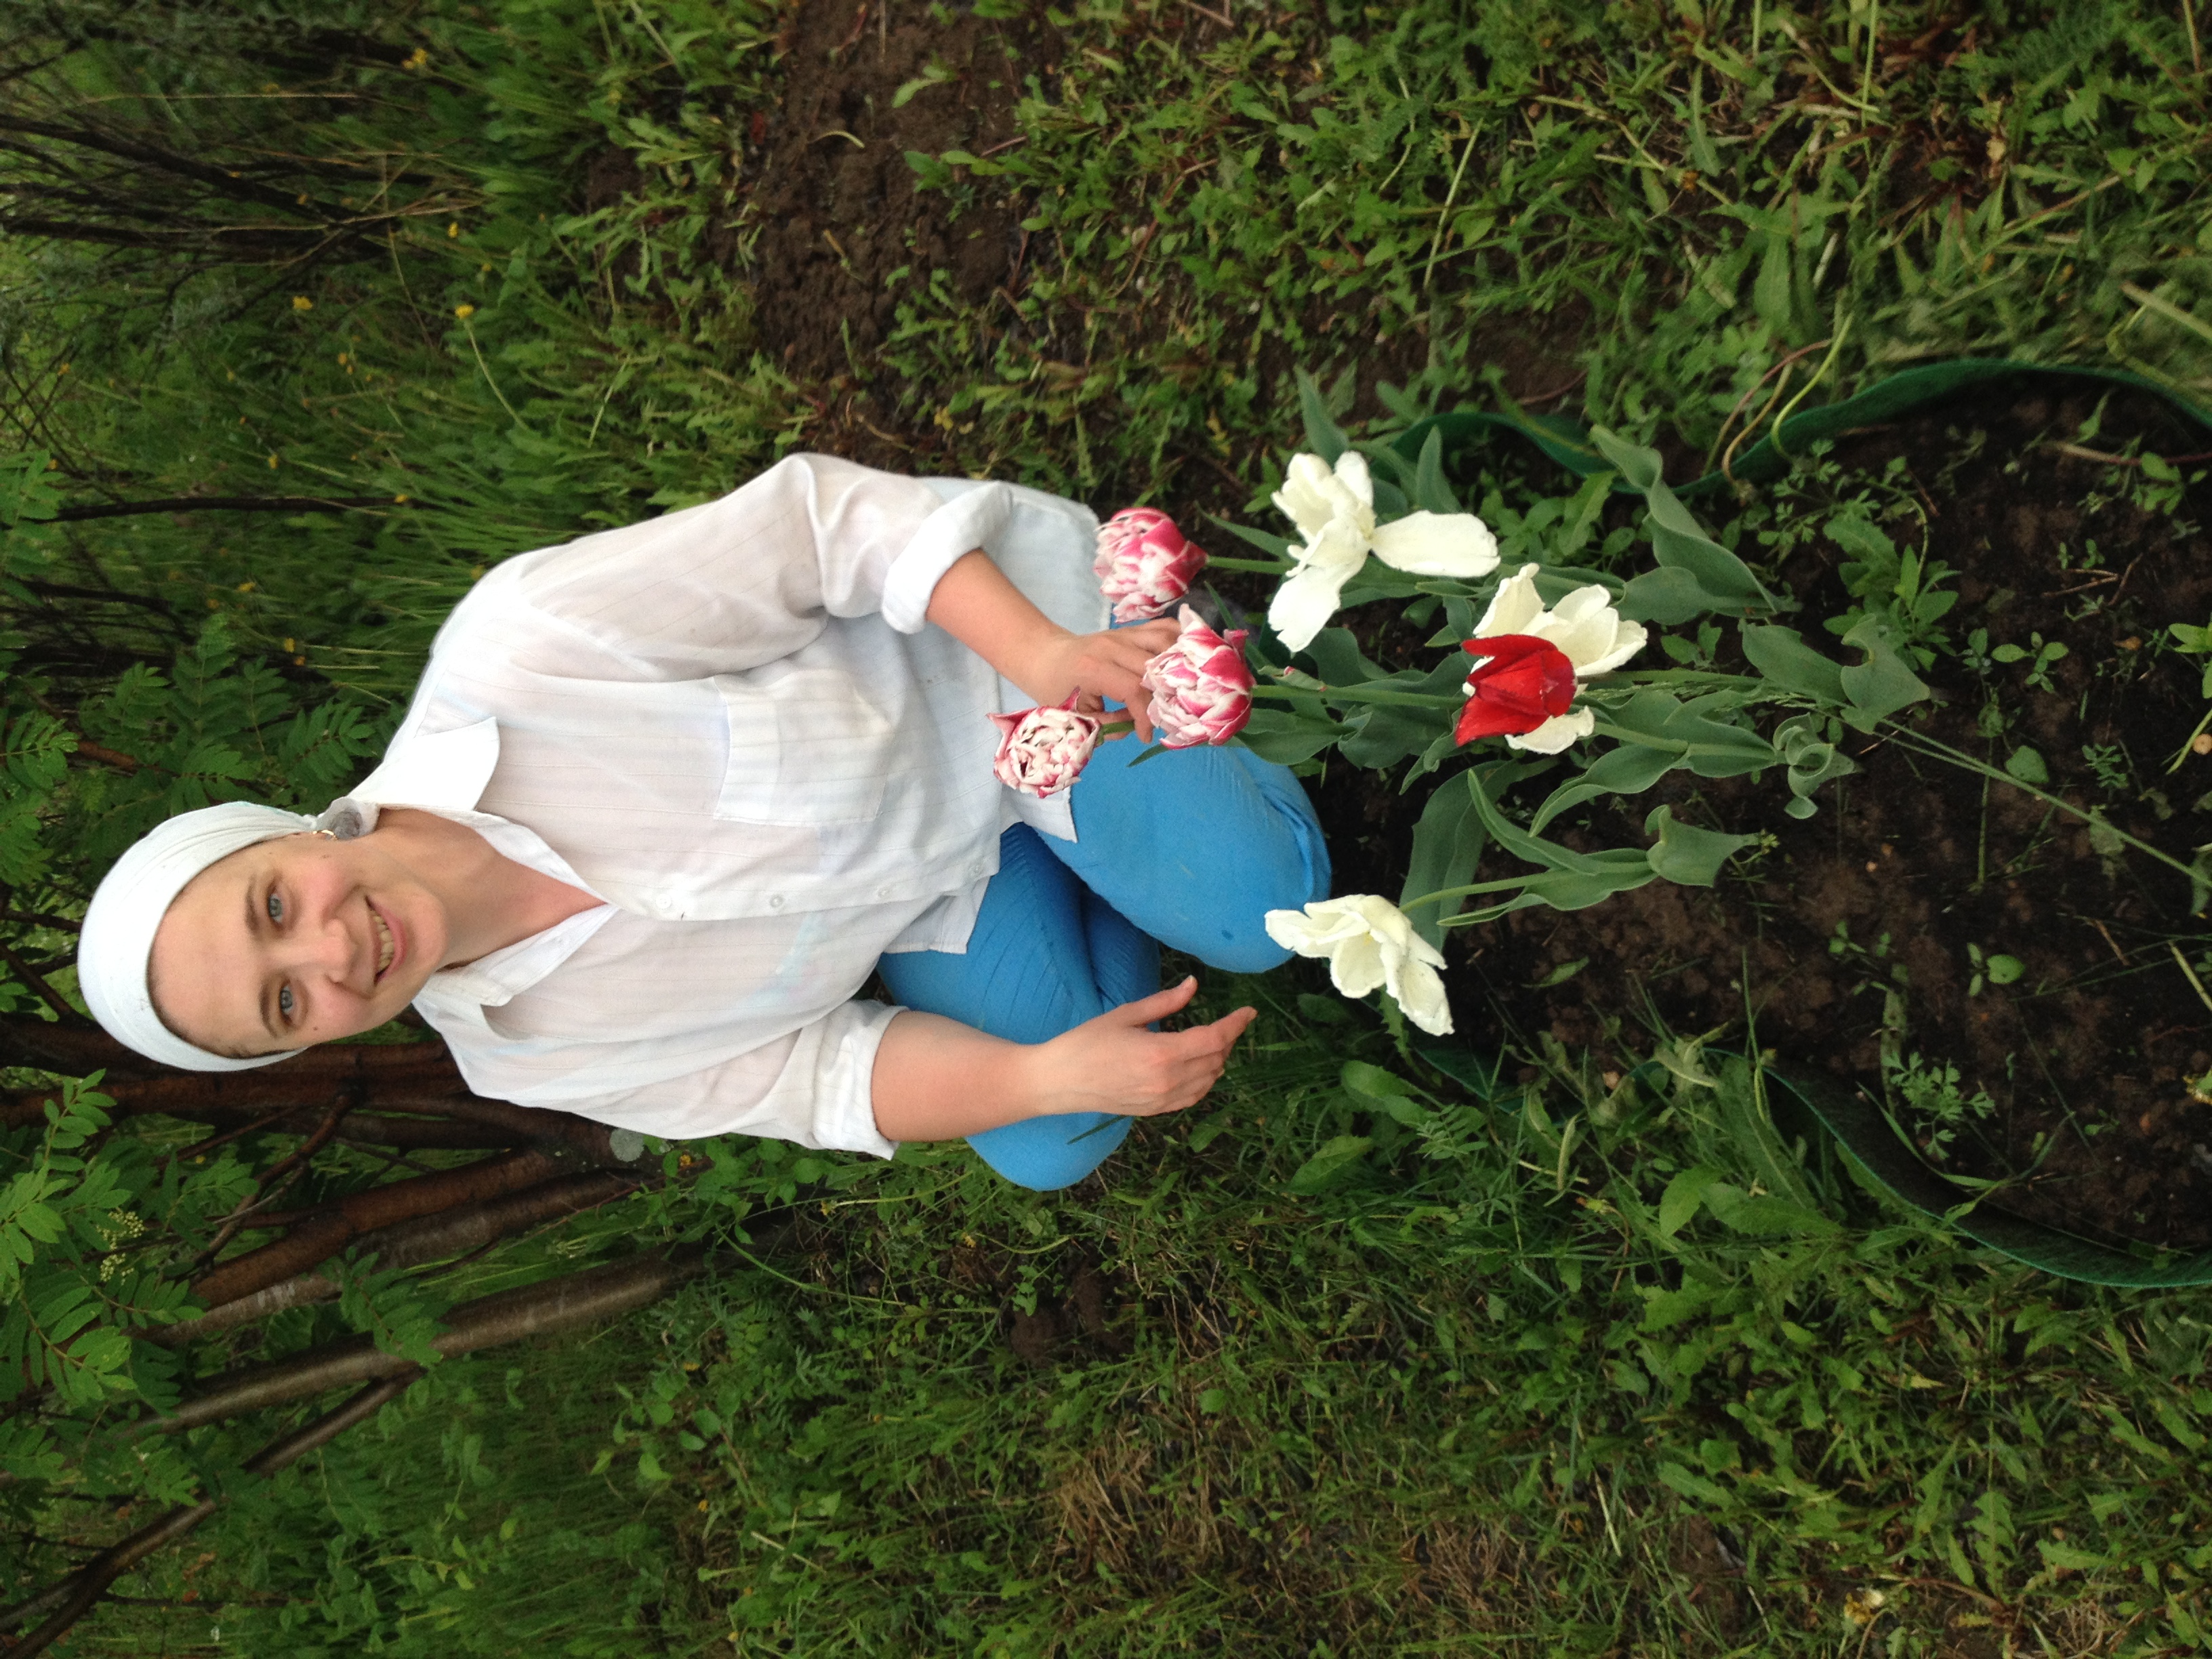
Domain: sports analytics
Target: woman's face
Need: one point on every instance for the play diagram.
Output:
(294, 941)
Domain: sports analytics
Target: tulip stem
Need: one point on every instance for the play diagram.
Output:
(1358, 694)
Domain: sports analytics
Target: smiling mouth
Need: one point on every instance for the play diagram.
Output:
(386, 947)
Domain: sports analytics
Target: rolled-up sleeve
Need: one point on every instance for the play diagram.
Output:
(752, 577)
(813, 1086)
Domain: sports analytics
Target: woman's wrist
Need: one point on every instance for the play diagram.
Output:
(976, 602)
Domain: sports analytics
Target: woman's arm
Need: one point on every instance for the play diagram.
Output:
(936, 1079)
(975, 604)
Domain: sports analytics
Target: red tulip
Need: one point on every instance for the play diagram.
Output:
(1519, 682)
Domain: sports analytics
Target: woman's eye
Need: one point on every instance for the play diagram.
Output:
(284, 1004)
(275, 907)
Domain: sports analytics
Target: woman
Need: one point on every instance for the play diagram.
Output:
(665, 797)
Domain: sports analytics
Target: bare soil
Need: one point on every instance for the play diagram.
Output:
(1852, 930)
(846, 230)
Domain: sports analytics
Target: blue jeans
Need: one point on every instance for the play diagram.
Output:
(1190, 849)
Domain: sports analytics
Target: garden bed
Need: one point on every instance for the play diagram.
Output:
(1867, 941)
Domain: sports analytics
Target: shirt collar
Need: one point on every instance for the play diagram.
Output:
(444, 771)
(447, 772)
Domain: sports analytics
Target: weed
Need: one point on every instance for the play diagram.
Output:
(1930, 1094)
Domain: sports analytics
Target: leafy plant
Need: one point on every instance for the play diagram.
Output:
(1653, 721)
(1931, 1095)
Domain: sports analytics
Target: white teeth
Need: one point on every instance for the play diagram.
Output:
(384, 946)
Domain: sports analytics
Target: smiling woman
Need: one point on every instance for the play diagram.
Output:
(308, 937)
(668, 796)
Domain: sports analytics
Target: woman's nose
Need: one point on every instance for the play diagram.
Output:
(328, 948)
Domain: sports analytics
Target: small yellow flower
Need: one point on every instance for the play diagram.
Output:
(453, 230)
(421, 60)
(302, 303)
(246, 587)
(288, 646)
(464, 312)
(274, 463)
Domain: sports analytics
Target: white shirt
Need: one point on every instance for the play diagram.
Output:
(733, 726)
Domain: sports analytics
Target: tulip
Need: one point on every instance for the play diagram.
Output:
(1518, 685)
(1370, 941)
(1584, 628)
(1334, 511)
(1042, 750)
(1202, 686)
(1144, 564)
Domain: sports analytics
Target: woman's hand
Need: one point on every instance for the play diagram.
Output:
(975, 604)
(936, 1079)
(1112, 1064)
(1097, 667)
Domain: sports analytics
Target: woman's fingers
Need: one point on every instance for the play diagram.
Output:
(1111, 664)
(1171, 1000)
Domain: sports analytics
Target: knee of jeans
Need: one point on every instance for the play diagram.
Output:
(1243, 953)
(1043, 1162)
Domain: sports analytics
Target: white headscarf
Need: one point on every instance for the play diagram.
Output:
(117, 943)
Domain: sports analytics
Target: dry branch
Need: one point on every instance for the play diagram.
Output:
(414, 1244)
(324, 1234)
(544, 1308)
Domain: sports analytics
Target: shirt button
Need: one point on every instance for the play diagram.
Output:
(775, 901)
(663, 905)
(883, 892)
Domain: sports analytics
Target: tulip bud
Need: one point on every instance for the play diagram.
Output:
(1042, 750)
(1144, 564)
(1202, 686)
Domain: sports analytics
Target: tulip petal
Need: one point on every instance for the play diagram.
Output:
(1514, 606)
(1420, 993)
(1304, 499)
(1628, 638)
(1304, 603)
(1437, 544)
(1556, 735)
(1356, 966)
(1352, 472)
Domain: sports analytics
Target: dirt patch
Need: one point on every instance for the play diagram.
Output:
(846, 231)
(841, 209)
(1868, 930)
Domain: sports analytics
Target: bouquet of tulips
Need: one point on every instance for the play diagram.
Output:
(1201, 686)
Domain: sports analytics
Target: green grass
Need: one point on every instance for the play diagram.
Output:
(1490, 1386)
(1670, 200)
(1492, 1382)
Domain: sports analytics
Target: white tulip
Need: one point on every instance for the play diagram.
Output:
(1370, 942)
(1334, 511)
(1584, 627)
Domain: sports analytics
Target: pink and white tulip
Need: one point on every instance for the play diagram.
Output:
(1144, 563)
(1044, 751)
(1202, 686)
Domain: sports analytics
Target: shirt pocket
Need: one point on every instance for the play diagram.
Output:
(806, 747)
